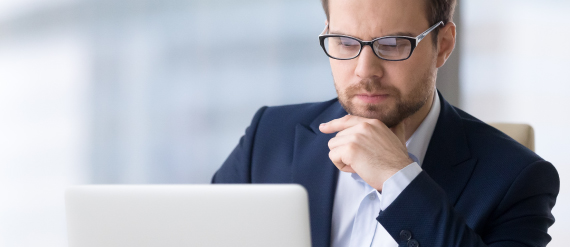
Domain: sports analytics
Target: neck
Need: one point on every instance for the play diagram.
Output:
(417, 118)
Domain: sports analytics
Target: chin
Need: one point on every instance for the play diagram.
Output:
(386, 114)
(371, 111)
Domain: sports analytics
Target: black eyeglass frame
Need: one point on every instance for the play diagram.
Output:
(413, 40)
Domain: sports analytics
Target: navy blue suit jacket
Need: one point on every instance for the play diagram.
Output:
(478, 187)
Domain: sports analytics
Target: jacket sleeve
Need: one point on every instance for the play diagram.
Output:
(422, 215)
(237, 167)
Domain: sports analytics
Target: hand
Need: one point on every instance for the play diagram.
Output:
(367, 147)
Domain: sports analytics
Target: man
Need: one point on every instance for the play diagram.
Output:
(390, 162)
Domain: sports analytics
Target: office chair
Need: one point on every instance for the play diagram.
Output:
(523, 133)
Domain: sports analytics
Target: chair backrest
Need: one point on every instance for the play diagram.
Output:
(523, 133)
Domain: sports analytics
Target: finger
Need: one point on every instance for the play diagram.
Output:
(343, 123)
(367, 128)
(336, 156)
(348, 169)
(341, 140)
(400, 130)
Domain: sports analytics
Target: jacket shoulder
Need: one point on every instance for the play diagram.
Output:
(487, 141)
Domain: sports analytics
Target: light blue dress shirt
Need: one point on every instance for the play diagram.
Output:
(357, 204)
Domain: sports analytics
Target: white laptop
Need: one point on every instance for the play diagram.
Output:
(187, 215)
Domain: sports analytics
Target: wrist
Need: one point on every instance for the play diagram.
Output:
(389, 173)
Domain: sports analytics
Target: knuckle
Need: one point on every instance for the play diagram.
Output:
(366, 127)
(347, 158)
(334, 155)
(358, 137)
(331, 155)
(352, 147)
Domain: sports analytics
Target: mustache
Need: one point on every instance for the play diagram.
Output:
(370, 85)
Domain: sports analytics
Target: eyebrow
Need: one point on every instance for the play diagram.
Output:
(391, 34)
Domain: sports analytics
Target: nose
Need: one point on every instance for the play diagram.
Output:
(369, 65)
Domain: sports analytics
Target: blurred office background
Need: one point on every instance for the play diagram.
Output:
(159, 91)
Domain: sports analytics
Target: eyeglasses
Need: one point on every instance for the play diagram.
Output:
(391, 48)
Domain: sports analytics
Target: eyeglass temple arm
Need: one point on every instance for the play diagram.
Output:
(326, 27)
(424, 34)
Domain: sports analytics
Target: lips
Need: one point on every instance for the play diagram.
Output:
(371, 98)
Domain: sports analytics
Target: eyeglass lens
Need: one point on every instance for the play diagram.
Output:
(387, 48)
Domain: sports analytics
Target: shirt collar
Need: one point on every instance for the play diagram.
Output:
(418, 143)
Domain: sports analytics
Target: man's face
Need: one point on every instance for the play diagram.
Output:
(373, 88)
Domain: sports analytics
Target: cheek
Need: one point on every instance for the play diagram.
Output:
(343, 72)
(400, 75)
(424, 56)
(412, 72)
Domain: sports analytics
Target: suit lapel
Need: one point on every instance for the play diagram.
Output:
(313, 169)
(448, 160)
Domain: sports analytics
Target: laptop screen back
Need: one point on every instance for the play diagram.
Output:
(187, 215)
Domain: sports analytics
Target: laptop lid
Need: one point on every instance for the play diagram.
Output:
(187, 215)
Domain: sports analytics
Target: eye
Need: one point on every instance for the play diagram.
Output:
(348, 42)
(393, 48)
(388, 43)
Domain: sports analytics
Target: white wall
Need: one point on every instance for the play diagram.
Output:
(515, 68)
(43, 132)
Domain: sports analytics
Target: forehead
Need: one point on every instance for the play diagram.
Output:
(374, 18)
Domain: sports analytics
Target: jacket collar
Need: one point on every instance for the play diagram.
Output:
(313, 169)
(448, 159)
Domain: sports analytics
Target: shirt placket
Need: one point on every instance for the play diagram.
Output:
(364, 227)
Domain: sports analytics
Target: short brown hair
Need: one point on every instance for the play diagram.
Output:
(438, 10)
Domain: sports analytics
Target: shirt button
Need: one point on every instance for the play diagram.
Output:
(372, 196)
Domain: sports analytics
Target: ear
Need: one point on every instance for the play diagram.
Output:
(445, 43)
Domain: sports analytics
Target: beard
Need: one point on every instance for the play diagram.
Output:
(390, 114)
